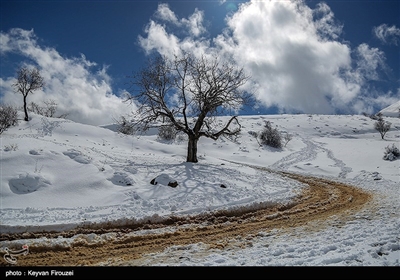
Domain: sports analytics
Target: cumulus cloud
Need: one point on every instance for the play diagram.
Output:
(79, 87)
(293, 53)
(387, 34)
(195, 23)
(165, 13)
(160, 39)
(192, 25)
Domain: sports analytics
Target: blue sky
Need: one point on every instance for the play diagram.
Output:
(303, 56)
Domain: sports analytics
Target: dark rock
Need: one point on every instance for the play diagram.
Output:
(173, 184)
(163, 180)
(223, 186)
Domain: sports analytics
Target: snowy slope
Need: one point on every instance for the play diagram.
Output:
(392, 110)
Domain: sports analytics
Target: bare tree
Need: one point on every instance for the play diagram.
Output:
(190, 92)
(28, 81)
(382, 126)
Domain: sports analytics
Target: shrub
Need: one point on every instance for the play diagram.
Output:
(11, 147)
(271, 136)
(8, 117)
(125, 126)
(391, 153)
(167, 132)
(47, 110)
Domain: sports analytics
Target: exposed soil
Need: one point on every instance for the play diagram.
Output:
(319, 200)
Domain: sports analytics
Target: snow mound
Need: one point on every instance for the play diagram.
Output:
(35, 152)
(27, 183)
(77, 156)
(165, 180)
(121, 179)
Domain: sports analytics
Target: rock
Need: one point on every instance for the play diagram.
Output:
(223, 186)
(173, 184)
(165, 180)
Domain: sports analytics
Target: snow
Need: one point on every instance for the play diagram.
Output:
(58, 175)
(392, 110)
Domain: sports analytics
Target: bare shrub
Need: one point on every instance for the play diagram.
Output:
(167, 132)
(391, 153)
(48, 109)
(8, 117)
(11, 147)
(125, 126)
(270, 136)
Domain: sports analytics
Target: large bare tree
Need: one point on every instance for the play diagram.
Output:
(28, 81)
(189, 92)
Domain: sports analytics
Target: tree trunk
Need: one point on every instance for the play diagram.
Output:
(25, 110)
(192, 149)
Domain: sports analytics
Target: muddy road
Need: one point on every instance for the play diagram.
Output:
(318, 200)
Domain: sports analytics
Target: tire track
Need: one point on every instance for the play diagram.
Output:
(309, 153)
(320, 199)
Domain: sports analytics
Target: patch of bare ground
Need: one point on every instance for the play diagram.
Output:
(319, 200)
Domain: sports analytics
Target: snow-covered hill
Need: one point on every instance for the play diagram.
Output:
(57, 174)
(392, 110)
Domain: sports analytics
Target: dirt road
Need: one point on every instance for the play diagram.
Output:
(318, 201)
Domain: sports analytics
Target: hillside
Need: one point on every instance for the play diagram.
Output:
(57, 175)
(392, 110)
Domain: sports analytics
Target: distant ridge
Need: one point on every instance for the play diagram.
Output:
(392, 110)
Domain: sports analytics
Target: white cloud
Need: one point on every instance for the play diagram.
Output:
(166, 43)
(164, 12)
(195, 23)
(293, 53)
(325, 22)
(370, 60)
(158, 39)
(387, 34)
(79, 90)
(290, 57)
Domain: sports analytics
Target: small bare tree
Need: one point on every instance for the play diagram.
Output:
(28, 81)
(382, 126)
(189, 92)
